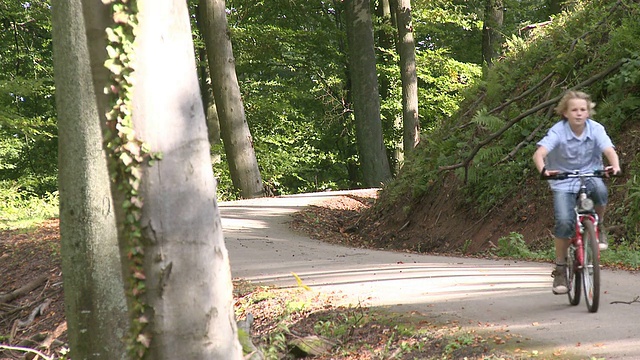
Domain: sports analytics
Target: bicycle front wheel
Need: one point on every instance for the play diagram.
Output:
(574, 279)
(591, 269)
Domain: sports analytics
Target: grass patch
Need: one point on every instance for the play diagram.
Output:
(20, 210)
(622, 254)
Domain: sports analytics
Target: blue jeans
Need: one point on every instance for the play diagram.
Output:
(564, 204)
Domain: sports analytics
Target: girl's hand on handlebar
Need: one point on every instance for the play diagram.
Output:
(546, 173)
(612, 171)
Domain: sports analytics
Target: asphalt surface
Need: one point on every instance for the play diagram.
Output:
(501, 294)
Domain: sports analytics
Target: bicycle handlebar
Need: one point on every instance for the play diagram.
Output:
(577, 174)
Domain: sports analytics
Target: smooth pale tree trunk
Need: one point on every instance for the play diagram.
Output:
(409, 77)
(186, 264)
(366, 99)
(236, 137)
(95, 303)
(492, 31)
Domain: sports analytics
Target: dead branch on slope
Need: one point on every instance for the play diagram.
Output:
(467, 161)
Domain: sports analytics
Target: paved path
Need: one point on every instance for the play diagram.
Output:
(511, 295)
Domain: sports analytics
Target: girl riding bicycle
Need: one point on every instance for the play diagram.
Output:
(574, 143)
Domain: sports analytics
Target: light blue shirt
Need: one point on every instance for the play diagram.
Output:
(568, 152)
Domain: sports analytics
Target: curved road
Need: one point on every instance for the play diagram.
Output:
(514, 296)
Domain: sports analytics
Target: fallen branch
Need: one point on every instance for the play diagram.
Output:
(23, 290)
(23, 349)
(637, 299)
(39, 310)
(602, 22)
(523, 95)
(21, 324)
(508, 102)
(530, 137)
(465, 163)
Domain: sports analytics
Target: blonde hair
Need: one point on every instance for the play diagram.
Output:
(570, 95)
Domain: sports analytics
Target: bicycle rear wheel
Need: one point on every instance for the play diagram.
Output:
(591, 270)
(574, 279)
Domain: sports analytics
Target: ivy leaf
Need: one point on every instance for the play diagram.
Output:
(121, 17)
(136, 201)
(144, 339)
(112, 36)
(112, 52)
(126, 159)
(114, 66)
(139, 275)
(132, 148)
(136, 173)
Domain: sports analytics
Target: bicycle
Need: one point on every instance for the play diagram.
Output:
(583, 260)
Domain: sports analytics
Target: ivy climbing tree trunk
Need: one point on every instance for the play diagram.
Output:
(95, 303)
(366, 99)
(188, 291)
(408, 75)
(236, 137)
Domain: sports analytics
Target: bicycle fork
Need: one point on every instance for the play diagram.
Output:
(578, 242)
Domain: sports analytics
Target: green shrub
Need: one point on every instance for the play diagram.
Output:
(20, 208)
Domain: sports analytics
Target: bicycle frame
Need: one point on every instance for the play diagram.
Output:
(583, 268)
(577, 239)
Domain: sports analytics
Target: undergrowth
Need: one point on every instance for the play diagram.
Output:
(354, 331)
(488, 144)
(21, 209)
(621, 254)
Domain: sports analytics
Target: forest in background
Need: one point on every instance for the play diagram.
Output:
(473, 183)
(472, 164)
(292, 68)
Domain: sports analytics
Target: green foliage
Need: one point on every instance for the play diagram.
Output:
(535, 68)
(631, 205)
(459, 342)
(21, 209)
(342, 325)
(292, 68)
(28, 135)
(514, 246)
(624, 253)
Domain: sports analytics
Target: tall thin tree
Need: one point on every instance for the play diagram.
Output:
(236, 136)
(95, 304)
(366, 98)
(492, 31)
(408, 75)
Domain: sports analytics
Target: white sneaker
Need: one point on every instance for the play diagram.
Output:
(560, 280)
(603, 242)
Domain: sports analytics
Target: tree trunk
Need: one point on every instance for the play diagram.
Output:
(209, 104)
(238, 143)
(386, 42)
(95, 303)
(409, 77)
(366, 99)
(555, 6)
(186, 266)
(492, 31)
